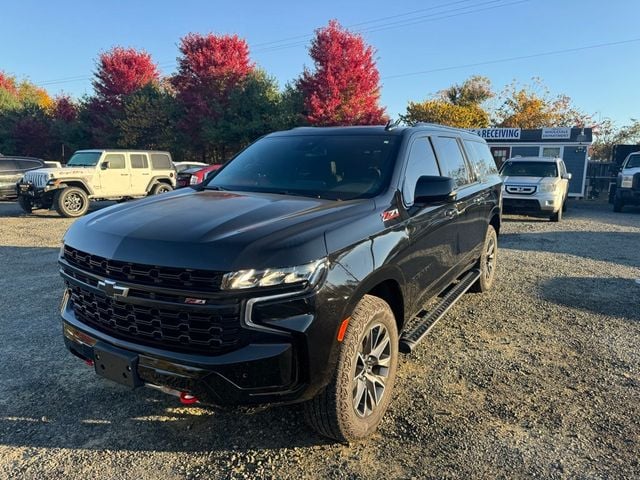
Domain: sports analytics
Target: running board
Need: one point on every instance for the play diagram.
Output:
(424, 320)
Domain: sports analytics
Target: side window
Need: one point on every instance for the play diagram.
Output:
(7, 165)
(451, 160)
(160, 161)
(28, 164)
(481, 157)
(116, 160)
(139, 160)
(421, 162)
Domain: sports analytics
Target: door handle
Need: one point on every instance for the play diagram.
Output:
(124, 174)
(451, 213)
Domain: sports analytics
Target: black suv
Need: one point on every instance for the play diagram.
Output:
(12, 169)
(295, 274)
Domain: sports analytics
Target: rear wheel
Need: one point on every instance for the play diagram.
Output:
(160, 188)
(488, 262)
(564, 205)
(351, 407)
(25, 204)
(71, 202)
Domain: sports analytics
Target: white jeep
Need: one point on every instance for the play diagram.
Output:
(96, 175)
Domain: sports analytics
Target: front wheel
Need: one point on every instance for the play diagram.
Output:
(351, 407)
(25, 204)
(488, 261)
(618, 205)
(556, 217)
(71, 202)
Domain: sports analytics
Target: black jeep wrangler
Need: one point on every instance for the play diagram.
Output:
(297, 273)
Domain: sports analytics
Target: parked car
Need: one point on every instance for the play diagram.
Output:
(13, 169)
(628, 183)
(182, 166)
(96, 175)
(193, 176)
(296, 274)
(535, 186)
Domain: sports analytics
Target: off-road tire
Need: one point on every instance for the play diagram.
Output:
(161, 187)
(488, 262)
(556, 217)
(564, 205)
(71, 202)
(618, 205)
(25, 204)
(332, 412)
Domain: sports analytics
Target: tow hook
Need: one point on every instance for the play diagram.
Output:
(188, 399)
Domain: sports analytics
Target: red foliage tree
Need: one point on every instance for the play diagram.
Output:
(8, 83)
(344, 88)
(122, 71)
(209, 69)
(64, 109)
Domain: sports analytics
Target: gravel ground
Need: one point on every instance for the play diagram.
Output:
(538, 378)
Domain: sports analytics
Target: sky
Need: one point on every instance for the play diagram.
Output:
(55, 44)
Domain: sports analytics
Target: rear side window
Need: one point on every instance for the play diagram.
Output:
(422, 161)
(451, 160)
(7, 165)
(160, 161)
(116, 160)
(481, 157)
(139, 160)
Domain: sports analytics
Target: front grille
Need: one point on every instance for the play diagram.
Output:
(211, 330)
(521, 189)
(152, 275)
(38, 179)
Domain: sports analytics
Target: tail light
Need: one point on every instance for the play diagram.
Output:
(194, 180)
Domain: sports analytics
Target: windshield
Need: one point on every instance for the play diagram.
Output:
(84, 159)
(529, 169)
(334, 167)
(633, 162)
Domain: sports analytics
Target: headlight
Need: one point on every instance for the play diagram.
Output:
(193, 180)
(547, 187)
(307, 274)
(627, 181)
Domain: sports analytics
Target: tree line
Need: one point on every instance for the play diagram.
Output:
(219, 100)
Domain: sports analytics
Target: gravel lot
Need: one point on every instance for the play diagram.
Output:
(540, 377)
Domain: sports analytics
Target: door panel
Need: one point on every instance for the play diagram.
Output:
(140, 173)
(115, 180)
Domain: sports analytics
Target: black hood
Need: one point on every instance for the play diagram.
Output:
(215, 230)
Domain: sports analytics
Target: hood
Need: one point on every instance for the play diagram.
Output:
(631, 171)
(215, 230)
(527, 180)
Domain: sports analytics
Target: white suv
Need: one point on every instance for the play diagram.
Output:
(535, 186)
(96, 175)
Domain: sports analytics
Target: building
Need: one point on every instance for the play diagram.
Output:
(570, 144)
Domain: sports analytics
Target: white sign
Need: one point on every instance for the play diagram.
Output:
(556, 133)
(497, 133)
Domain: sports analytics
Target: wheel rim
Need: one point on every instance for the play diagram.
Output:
(490, 258)
(73, 202)
(372, 370)
(162, 190)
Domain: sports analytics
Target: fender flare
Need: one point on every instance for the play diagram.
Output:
(157, 179)
(65, 184)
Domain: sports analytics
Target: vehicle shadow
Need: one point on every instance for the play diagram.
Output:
(12, 209)
(622, 246)
(49, 398)
(610, 297)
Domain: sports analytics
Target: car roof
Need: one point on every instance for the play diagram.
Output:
(119, 150)
(377, 130)
(16, 157)
(534, 159)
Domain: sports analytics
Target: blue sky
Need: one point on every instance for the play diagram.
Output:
(56, 43)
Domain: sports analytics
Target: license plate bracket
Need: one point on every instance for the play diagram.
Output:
(116, 364)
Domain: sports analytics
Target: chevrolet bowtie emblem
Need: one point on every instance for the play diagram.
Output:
(112, 289)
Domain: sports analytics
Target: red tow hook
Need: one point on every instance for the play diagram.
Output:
(89, 362)
(188, 399)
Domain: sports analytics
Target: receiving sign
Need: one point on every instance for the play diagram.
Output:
(556, 133)
(497, 133)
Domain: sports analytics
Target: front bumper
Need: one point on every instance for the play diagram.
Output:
(628, 196)
(543, 204)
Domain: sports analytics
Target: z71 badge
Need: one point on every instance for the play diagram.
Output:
(390, 214)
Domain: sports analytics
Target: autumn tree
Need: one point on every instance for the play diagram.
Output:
(344, 87)
(122, 71)
(532, 106)
(607, 134)
(210, 67)
(445, 113)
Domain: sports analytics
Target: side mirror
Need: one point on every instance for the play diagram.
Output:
(567, 176)
(430, 189)
(104, 165)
